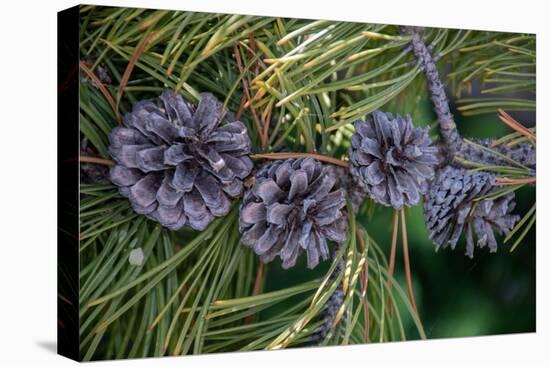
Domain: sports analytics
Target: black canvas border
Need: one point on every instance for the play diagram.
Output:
(67, 182)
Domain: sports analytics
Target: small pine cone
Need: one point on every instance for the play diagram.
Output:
(178, 165)
(330, 310)
(331, 307)
(448, 209)
(449, 202)
(293, 205)
(490, 215)
(391, 159)
(101, 71)
(523, 153)
(91, 173)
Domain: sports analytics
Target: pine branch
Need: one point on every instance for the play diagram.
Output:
(447, 125)
(296, 85)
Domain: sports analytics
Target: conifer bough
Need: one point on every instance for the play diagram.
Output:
(449, 204)
(180, 165)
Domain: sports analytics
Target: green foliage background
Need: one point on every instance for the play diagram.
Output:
(309, 80)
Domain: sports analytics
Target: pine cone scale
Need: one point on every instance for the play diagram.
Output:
(212, 195)
(176, 154)
(253, 213)
(151, 159)
(208, 114)
(143, 192)
(268, 191)
(184, 177)
(124, 176)
(121, 136)
(252, 234)
(176, 109)
(333, 199)
(277, 212)
(126, 155)
(268, 239)
(170, 214)
(167, 195)
(233, 188)
(298, 183)
(196, 211)
(162, 128)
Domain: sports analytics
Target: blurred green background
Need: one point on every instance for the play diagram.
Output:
(456, 296)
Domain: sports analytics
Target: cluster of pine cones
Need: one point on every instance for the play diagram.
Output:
(184, 165)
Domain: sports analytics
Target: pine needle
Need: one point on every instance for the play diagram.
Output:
(319, 157)
(512, 123)
(393, 251)
(102, 161)
(135, 57)
(102, 88)
(407, 261)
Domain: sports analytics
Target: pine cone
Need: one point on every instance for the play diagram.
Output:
(448, 208)
(391, 159)
(489, 215)
(331, 307)
(178, 165)
(293, 205)
(101, 71)
(523, 153)
(91, 173)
